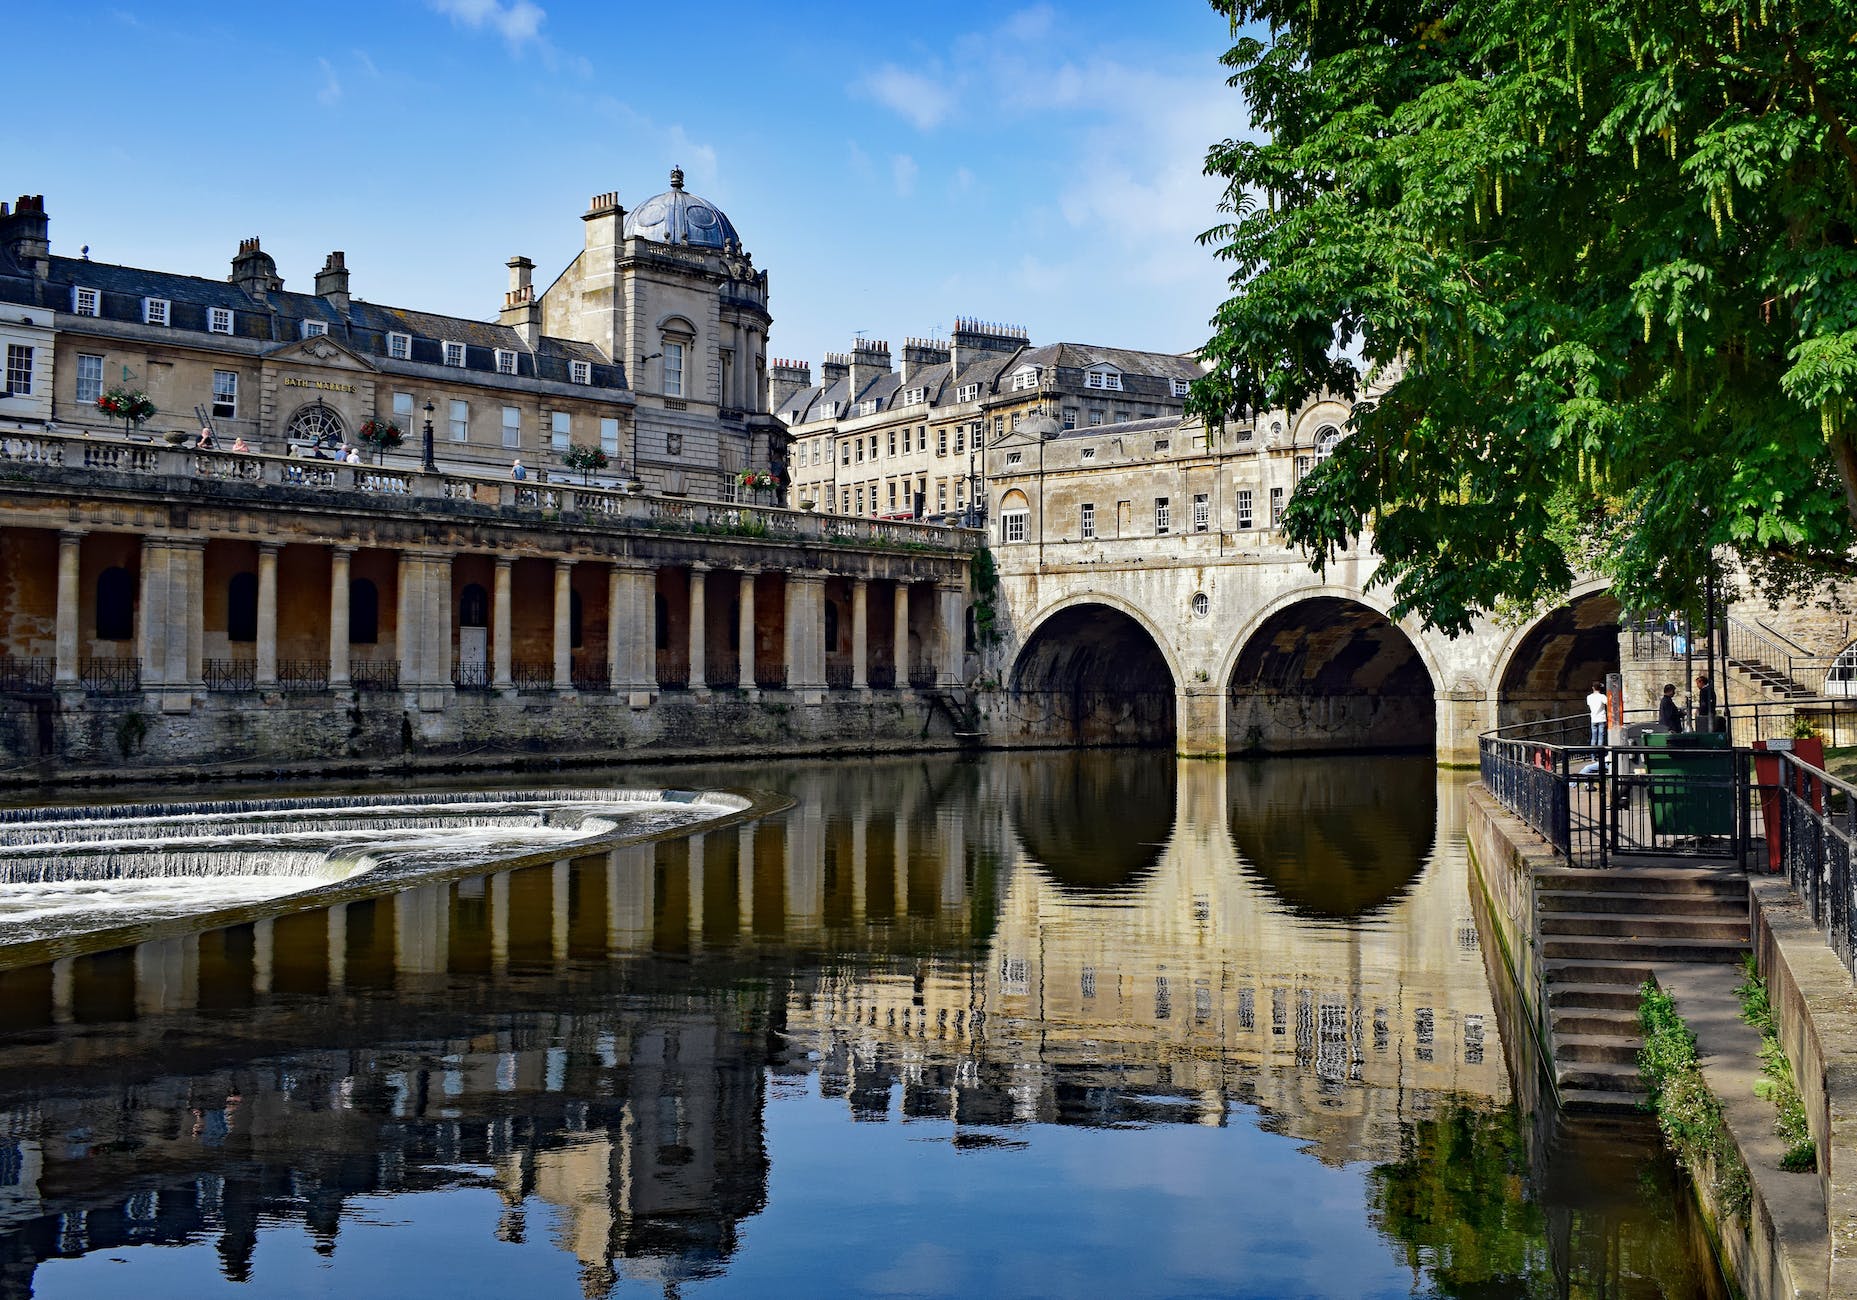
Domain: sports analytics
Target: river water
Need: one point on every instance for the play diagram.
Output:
(1041, 1025)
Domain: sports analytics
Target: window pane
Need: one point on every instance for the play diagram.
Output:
(609, 436)
(512, 427)
(460, 421)
(89, 377)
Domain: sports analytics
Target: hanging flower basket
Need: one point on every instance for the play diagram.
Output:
(585, 459)
(130, 405)
(757, 480)
(381, 435)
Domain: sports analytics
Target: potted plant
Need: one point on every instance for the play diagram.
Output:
(586, 459)
(381, 436)
(130, 405)
(756, 480)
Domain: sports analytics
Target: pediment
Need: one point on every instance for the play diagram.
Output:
(322, 352)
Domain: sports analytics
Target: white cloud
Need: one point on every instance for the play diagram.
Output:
(517, 22)
(903, 171)
(697, 160)
(921, 100)
(331, 92)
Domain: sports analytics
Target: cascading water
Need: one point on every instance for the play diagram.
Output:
(70, 870)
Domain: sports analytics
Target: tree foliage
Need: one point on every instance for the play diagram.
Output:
(1605, 248)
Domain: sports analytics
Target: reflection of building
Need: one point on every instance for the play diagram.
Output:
(650, 345)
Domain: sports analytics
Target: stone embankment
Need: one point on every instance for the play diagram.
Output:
(1579, 944)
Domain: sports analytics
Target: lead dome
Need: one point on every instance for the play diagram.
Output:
(679, 217)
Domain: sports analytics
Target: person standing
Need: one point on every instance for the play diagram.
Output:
(1669, 712)
(1705, 703)
(1596, 711)
(516, 470)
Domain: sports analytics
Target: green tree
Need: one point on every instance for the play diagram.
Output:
(1607, 251)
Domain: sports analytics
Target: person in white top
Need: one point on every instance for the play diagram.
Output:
(1596, 710)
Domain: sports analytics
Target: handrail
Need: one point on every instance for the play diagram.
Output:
(1779, 636)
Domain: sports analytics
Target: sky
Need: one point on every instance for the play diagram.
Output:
(891, 168)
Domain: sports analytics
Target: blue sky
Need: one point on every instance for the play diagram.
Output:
(891, 167)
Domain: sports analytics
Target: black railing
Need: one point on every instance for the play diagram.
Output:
(532, 675)
(470, 677)
(591, 676)
(303, 674)
(1817, 833)
(883, 677)
(1529, 778)
(770, 678)
(921, 677)
(673, 679)
(230, 674)
(374, 674)
(838, 676)
(22, 676)
(111, 676)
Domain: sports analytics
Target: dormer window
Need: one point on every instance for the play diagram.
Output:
(1181, 387)
(1024, 378)
(400, 346)
(154, 311)
(868, 406)
(314, 329)
(828, 410)
(454, 354)
(85, 302)
(1103, 377)
(915, 396)
(581, 372)
(505, 361)
(219, 320)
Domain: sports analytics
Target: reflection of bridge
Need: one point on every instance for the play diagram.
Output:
(1150, 599)
(283, 1066)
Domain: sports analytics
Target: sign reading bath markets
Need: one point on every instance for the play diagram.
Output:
(292, 381)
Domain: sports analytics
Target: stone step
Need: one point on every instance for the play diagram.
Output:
(1644, 880)
(1661, 929)
(1603, 1101)
(1595, 997)
(1643, 904)
(1619, 974)
(1596, 1076)
(1597, 1022)
(1602, 948)
(1590, 1048)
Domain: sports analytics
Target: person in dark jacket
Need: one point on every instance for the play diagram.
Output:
(1669, 712)
(1705, 703)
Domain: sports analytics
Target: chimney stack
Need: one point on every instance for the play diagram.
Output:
(975, 338)
(605, 220)
(870, 361)
(254, 270)
(920, 354)
(836, 366)
(332, 281)
(26, 233)
(785, 378)
(521, 312)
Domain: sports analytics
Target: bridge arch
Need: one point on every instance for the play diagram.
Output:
(1093, 669)
(1544, 668)
(1327, 669)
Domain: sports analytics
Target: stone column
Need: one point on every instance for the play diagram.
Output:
(860, 634)
(425, 626)
(564, 639)
(1200, 721)
(630, 631)
(805, 648)
(900, 652)
(172, 631)
(951, 641)
(744, 638)
(153, 613)
(699, 677)
(266, 667)
(65, 669)
(500, 648)
(339, 557)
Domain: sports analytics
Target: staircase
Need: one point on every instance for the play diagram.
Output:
(1603, 933)
(1767, 662)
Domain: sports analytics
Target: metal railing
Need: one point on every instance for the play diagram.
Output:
(374, 674)
(838, 676)
(1817, 833)
(921, 677)
(591, 675)
(883, 677)
(470, 677)
(25, 676)
(111, 675)
(230, 674)
(770, 677)
(303, 675)
(532, 675)
(1775, 663)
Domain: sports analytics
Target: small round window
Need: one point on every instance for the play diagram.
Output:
(1202, 605)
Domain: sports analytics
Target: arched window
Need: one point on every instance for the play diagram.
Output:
(573, 620)
(317, 424)
(242, 607)
(115, 605)
(363, 612)
(1327, 438)
(473, 606)
(831, 627)
(662, 610)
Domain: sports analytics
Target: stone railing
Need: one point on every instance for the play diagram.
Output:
(75, 455)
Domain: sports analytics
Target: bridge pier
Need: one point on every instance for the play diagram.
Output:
(1462, 715)
(1199, 721)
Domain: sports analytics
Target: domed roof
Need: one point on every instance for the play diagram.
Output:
(676, 217)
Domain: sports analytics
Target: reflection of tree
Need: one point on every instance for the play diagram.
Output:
(1453, 1203)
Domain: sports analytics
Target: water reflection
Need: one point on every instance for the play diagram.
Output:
(716, 1058)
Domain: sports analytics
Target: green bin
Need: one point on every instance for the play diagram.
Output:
(1691, 783)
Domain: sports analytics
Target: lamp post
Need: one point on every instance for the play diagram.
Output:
(430, 465)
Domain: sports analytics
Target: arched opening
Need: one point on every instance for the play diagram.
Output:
(318, 425)
(1092, 675)
(1558, 661)
(1336, 839)
(1329, 674)
(242, 607)
(115, 605)
(1096, 821)
(474, 606)
(363, 612)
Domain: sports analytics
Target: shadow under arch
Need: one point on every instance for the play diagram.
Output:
(1547, 671)
(1329, 673)
(1095, 821)
(1335, 839)
(1091, 674)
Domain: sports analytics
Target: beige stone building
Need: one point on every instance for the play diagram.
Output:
(911, 442)
(650, 346)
